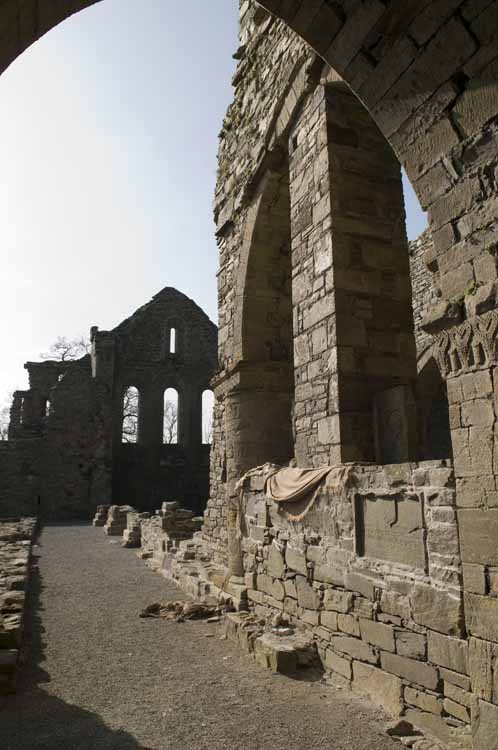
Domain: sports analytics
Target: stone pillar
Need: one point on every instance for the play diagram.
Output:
(353, 320)
(467, 357)
(103, 355)
(150, 416)
(16, 414)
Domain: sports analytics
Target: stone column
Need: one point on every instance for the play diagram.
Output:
(467, 357)
(16, 414)
(150, 416)
(353, 320)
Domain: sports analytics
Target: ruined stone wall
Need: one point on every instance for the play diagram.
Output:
(76, 447)
(423, 288)
(16, 538)
(399, 630)
(65, 454)
(373, 571)
(314, 179)
(274, 73)
(149, 471)
(21, 468)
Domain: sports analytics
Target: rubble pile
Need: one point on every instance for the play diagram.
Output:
(164, 531)
(100, 518)
(117, 519)
(132, 535)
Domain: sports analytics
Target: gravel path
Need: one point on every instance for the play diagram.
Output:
(99, 677)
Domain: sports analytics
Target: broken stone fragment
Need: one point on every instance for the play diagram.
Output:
(442, 315)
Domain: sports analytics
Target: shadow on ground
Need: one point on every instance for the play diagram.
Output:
(23, 717)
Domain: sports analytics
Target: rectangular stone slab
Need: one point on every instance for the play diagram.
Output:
(391, 528)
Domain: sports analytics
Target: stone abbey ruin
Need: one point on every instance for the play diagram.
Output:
(93, 428)
(353, 471)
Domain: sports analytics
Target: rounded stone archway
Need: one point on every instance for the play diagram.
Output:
(428, 74)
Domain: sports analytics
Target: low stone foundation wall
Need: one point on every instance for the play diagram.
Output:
(369, 577)
(132, 535)
(373, 574)
(373, 571)
(163, 532)
(16, 537)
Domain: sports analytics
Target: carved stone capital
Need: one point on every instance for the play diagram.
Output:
(468, 347)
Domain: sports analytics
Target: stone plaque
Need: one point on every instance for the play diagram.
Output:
(391, 528)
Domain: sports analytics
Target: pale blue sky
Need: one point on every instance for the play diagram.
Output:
(108, 141)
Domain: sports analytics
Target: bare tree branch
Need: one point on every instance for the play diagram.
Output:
(5, 418)
(129, 433)
(67, 350)
(170, 423)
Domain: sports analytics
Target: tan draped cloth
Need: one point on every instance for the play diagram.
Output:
(295, 490)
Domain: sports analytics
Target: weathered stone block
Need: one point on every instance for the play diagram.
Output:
(328, 574)
(410, 644)
(455, 693)
(474, 578)
(455, 709)
(271, 586)
(424, 701)
(477, 104)
(451, 653)
(385, 690)
(478, 412)
(378, 634)
(296, 560)
(437, 609)
(348, 624)
(482, 616)
(360, 583)
(478, 536)
(435, 727)
(473, 493)
(442, 315)
(396, 604)
(355, 648)
(460, 680)
(307, 596)
(413, 671)
(275, 563)
(338, 664)
(329, 620)
(391, 529)
(485, 729)
(338, 601)
(481, 656)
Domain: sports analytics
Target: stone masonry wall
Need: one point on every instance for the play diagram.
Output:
(373, 571)
(423, 289)
(286, 118)
(21, 468)
(16, 537)
(65, 453)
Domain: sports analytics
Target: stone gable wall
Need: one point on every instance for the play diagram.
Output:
(65, 455)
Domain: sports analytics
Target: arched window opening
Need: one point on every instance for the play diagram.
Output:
(433, 414)
(131, 408)
(207, 417)
(266, 329)
(172, 341)
(170, 417)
